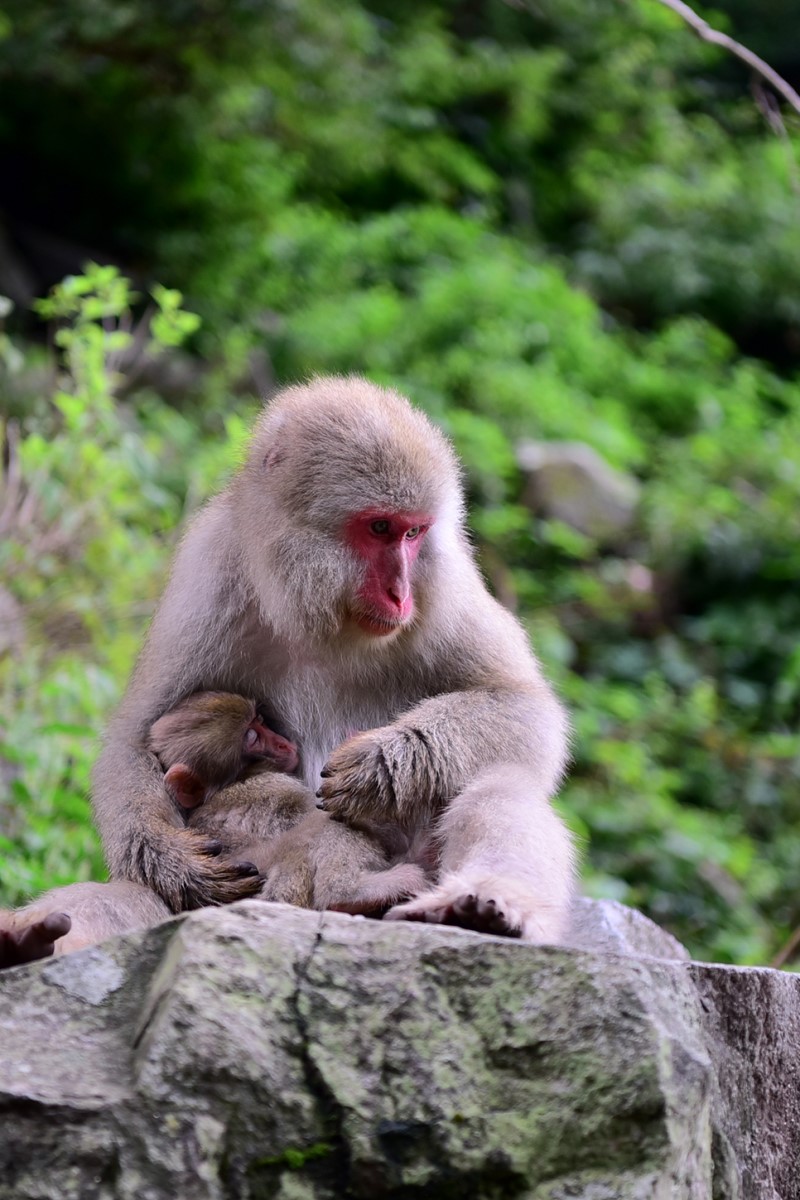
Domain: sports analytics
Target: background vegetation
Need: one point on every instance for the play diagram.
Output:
(562, 219)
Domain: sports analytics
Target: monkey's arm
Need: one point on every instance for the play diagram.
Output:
(484, 763)
(406, 771)
(188, 648)
(495, 708)
(145, 840)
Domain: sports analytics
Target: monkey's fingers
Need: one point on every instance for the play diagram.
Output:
(189, 870)
(35, 941)
(212, 848)
(337, 797)
(247, 868)
(355, 780)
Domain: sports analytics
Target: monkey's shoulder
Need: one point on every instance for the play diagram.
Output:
(476, 642)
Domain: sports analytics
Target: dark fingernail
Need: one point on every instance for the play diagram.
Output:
(325, 773)
(247, 868)
(214, 847)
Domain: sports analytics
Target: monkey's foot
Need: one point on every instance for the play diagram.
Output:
(36, 940)
(468, 911)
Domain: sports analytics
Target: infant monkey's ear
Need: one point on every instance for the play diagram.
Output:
(185, 786)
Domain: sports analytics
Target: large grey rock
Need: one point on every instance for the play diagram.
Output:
(570, 481)
(608, 927)
(261, 1051)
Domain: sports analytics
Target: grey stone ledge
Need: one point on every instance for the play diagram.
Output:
(263, 1051)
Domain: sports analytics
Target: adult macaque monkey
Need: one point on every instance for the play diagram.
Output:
(333, 579)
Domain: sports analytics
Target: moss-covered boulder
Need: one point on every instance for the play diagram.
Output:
(260, 1051)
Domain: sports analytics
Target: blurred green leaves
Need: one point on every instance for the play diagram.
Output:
(84, 511)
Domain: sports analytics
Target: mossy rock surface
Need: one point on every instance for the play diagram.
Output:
(261, 1051)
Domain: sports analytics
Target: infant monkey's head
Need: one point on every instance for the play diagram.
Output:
(212, 739)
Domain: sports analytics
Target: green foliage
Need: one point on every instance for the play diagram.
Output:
(562, 221)
(88, 520)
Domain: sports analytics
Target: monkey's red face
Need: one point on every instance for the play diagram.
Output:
(388, 544)
(261, 742)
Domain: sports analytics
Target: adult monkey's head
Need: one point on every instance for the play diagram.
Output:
(349, 505)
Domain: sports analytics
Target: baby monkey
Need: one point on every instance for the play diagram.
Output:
(212, 745)
(213, 740)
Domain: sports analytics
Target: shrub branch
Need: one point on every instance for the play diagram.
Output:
(707, 34)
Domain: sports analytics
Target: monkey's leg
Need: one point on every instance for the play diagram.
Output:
(24, 939)
(506, 864)
(373, 892)
(75, 916)
(289, 881)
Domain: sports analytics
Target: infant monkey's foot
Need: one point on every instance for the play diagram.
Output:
(36, 940)
(375, 912)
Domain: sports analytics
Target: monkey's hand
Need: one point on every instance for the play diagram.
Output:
(381, 775)
(192, 871)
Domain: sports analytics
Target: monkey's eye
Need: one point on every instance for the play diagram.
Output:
(413, 533)
(250, 738)
(380, 527)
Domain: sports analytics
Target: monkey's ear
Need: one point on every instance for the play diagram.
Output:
(185, 786)
(273, 456)
(276, 452)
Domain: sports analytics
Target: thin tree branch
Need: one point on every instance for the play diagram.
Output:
(705, 32)
(770, 109)
(787, 951)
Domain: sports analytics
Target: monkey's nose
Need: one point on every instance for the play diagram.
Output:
(399, 593)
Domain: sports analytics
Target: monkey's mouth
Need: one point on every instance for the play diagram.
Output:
(285, 760)
(378, 626)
